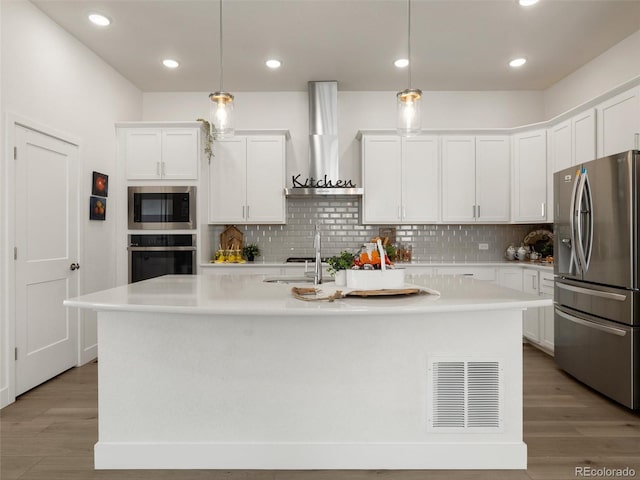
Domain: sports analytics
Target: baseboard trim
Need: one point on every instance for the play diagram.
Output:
(4, 397)
(88, 354)
(311, 456)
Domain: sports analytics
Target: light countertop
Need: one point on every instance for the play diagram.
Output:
(248, 295)
(496, 264)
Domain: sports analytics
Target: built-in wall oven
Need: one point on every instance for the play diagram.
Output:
(153, 255)
(162, 208)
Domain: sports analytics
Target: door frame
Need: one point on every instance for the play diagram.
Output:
(7, 392)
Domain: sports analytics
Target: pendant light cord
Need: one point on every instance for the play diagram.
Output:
(221, 58)
(408, 38)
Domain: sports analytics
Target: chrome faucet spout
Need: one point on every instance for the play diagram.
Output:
(317, 274)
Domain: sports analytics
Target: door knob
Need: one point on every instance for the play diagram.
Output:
(74, 266)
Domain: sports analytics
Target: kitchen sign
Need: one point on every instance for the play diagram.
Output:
(323, 182)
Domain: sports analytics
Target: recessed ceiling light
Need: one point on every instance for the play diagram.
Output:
(517, 62)
(169, 63)
(99, 20)
(273, 63)
(401, 63)
(527, 3)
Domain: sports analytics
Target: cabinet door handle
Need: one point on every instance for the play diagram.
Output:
(404, 212)
(533, 283)
(158, 168)
(247, 212)
(243, 212)
(474, 211)
(478, 211)
(543, 209)
(399, 212)
(163, 169)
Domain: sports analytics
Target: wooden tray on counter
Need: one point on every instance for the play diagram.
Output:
(307, 293)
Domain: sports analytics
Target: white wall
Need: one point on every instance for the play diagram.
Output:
(55, 81)
(615, 66)
(356, 111)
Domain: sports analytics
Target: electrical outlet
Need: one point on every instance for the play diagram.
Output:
(483, 246)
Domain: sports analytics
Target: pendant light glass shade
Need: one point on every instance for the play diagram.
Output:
(221, 108)
(221, 114)
(409, 108)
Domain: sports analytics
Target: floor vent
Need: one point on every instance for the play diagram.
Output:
(465, 395)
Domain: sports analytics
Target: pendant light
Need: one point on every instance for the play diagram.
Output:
(221, 108)
(408, 109)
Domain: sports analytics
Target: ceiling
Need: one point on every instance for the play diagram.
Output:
(455, 44)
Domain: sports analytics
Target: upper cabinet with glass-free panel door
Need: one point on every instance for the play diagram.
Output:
(475, 179)
(161, 153)
(401, 179)
(420, 179)
(571, 142)
(618, 123)
(382, 179)
(529, 202)
(247, 180)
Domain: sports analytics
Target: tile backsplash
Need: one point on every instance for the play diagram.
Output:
(340, 227)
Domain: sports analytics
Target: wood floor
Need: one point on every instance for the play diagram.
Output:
(49, 433)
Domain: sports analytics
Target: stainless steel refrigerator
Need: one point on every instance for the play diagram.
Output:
(597, 290)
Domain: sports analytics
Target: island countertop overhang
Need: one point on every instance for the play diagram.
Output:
(249, 295)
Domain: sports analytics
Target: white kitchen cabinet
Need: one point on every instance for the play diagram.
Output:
(475, 178)
(571, 142)
(531, 323)
(510, 277)
(247, 179)
(381, 178)
(401, 179)
(546, 314)
(530, 176)
(618, 123)
(538, 323)
(560, 146)
(584, 137)
(458, 178)
(161, 153)
(420, 168)
(493, 174)
(227, 181)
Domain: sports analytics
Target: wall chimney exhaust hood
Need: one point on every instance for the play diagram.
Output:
(323, 175)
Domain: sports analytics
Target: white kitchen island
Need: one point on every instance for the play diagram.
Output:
(229, 372)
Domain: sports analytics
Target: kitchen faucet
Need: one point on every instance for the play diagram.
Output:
(317, 274)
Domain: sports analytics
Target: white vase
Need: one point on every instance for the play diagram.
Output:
(341, 278)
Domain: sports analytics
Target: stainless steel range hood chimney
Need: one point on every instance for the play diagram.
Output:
(323, 175)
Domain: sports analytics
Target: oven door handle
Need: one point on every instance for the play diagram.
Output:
(615, 331)
(161, 249)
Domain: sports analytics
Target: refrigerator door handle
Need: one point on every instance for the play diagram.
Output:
(594, 293)
(572, 225)
(582, 260)
(615, 331)
(589, 248)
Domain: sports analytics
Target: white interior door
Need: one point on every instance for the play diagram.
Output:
(46, 202)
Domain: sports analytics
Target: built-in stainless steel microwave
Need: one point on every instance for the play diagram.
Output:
(162, 208)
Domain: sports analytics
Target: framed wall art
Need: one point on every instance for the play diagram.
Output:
(97, 208)
(100, 184)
